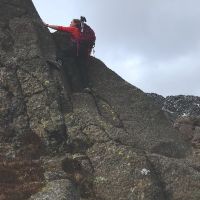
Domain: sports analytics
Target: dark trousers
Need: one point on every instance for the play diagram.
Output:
(82, 65)
(74, 67)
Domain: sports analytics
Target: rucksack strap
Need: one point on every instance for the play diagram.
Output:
(82, 19)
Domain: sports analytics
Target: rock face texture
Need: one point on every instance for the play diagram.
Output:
(181, 105)
(59, 141)
(184, 112)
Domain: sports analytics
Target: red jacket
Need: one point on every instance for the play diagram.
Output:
(75, 32)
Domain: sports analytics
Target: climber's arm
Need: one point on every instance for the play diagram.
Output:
(55, 27)
(60, 28)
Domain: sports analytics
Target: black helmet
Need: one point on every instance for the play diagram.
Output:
(83, 19)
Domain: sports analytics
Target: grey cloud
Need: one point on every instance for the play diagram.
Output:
(158, 30)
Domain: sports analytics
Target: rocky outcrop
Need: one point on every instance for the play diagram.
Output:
(181, 105)
(59, 141)
(190, 128)
(184, 112)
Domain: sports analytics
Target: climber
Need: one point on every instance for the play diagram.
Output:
(83, 41)
(81, 35)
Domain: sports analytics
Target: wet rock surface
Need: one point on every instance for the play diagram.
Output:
(59, 141)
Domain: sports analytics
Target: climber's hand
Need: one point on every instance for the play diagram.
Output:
(45, 24)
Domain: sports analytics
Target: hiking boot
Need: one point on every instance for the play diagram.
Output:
(55, 63)
(59, 63)
(87, 90)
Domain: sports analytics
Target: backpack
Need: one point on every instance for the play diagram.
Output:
(87, 37)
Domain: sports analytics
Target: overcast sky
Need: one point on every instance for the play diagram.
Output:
(154, 45)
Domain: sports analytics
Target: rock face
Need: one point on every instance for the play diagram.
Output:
(184, 112)
(181, 105)
(59, 141)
